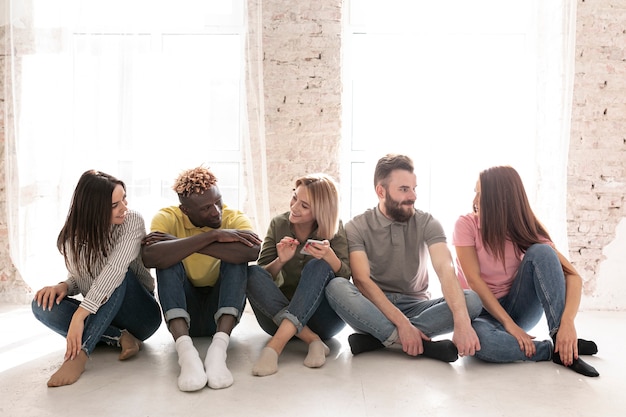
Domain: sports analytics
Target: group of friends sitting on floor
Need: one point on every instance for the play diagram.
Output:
(311, 275)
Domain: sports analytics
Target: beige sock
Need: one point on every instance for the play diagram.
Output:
(317, 354)
(70, 371)
(267, 364)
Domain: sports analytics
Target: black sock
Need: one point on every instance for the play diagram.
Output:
(361, 342)
(579, 366)
(444, 350)
(587, 347)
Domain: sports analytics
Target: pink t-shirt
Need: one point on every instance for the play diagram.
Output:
(498, 278)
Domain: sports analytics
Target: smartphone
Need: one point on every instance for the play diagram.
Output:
(308, 242)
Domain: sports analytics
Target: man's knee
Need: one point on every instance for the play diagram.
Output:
(174, 272)
(227, 268)
(258, 279)
(338, 287)
(339, 290)
(255, 272)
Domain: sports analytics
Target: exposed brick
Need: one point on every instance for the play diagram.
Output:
(596, 171)
(302, 88)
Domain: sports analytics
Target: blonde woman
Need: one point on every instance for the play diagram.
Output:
(304, 249)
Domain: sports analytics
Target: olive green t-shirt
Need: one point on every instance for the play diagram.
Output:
(289, 276)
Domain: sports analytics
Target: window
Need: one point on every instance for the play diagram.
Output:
(136, 89)
(450, 84)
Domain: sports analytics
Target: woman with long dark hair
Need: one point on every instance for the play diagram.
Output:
(507, 256)
(100, 243)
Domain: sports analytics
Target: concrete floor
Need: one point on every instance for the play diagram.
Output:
(382, 383)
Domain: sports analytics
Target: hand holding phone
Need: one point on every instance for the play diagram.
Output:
(308, 243)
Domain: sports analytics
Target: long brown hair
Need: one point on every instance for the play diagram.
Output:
(505, 212)
(87, 231)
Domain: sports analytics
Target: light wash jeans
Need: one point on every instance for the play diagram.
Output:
(308, 305)
(432, 317)
(538, 288)
(131, 307)
(202, 307)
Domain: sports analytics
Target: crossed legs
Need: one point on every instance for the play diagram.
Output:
(284, 318)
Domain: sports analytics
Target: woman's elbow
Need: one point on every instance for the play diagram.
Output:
(472, 282)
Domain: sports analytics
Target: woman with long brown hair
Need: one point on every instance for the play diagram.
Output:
(100, 243)
(507, 256)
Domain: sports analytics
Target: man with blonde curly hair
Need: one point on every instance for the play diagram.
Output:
(201, 250)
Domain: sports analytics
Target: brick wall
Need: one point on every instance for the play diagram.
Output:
(597, 159)
(12, 287)
(302, 86)
(302, 90)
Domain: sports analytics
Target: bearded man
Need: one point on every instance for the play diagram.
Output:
(389, 302)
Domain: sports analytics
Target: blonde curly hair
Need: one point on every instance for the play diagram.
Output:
(194, 181)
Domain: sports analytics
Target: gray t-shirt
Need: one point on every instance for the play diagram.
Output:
(397, 252)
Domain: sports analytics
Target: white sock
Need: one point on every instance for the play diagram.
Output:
(218, 375)
(192, 376)
(317, 354)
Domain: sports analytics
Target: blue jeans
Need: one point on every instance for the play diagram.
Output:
(202, 307)
(308, 306)
(538, 288)
(432, 317)
(131, 307)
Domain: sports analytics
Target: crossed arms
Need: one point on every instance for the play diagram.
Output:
(162, 250)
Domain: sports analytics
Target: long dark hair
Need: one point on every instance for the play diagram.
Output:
(86, 233)
(505, 212)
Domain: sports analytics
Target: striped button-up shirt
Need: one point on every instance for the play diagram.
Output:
(107, 273)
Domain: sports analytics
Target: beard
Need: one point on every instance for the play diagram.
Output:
(400, 211)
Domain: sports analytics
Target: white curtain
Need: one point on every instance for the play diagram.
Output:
(461, 86)
(255, 147)
(139, 89)
(143, 89)
(556, 43)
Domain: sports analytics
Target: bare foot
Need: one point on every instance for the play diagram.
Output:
(69, 372)
(130, 345)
